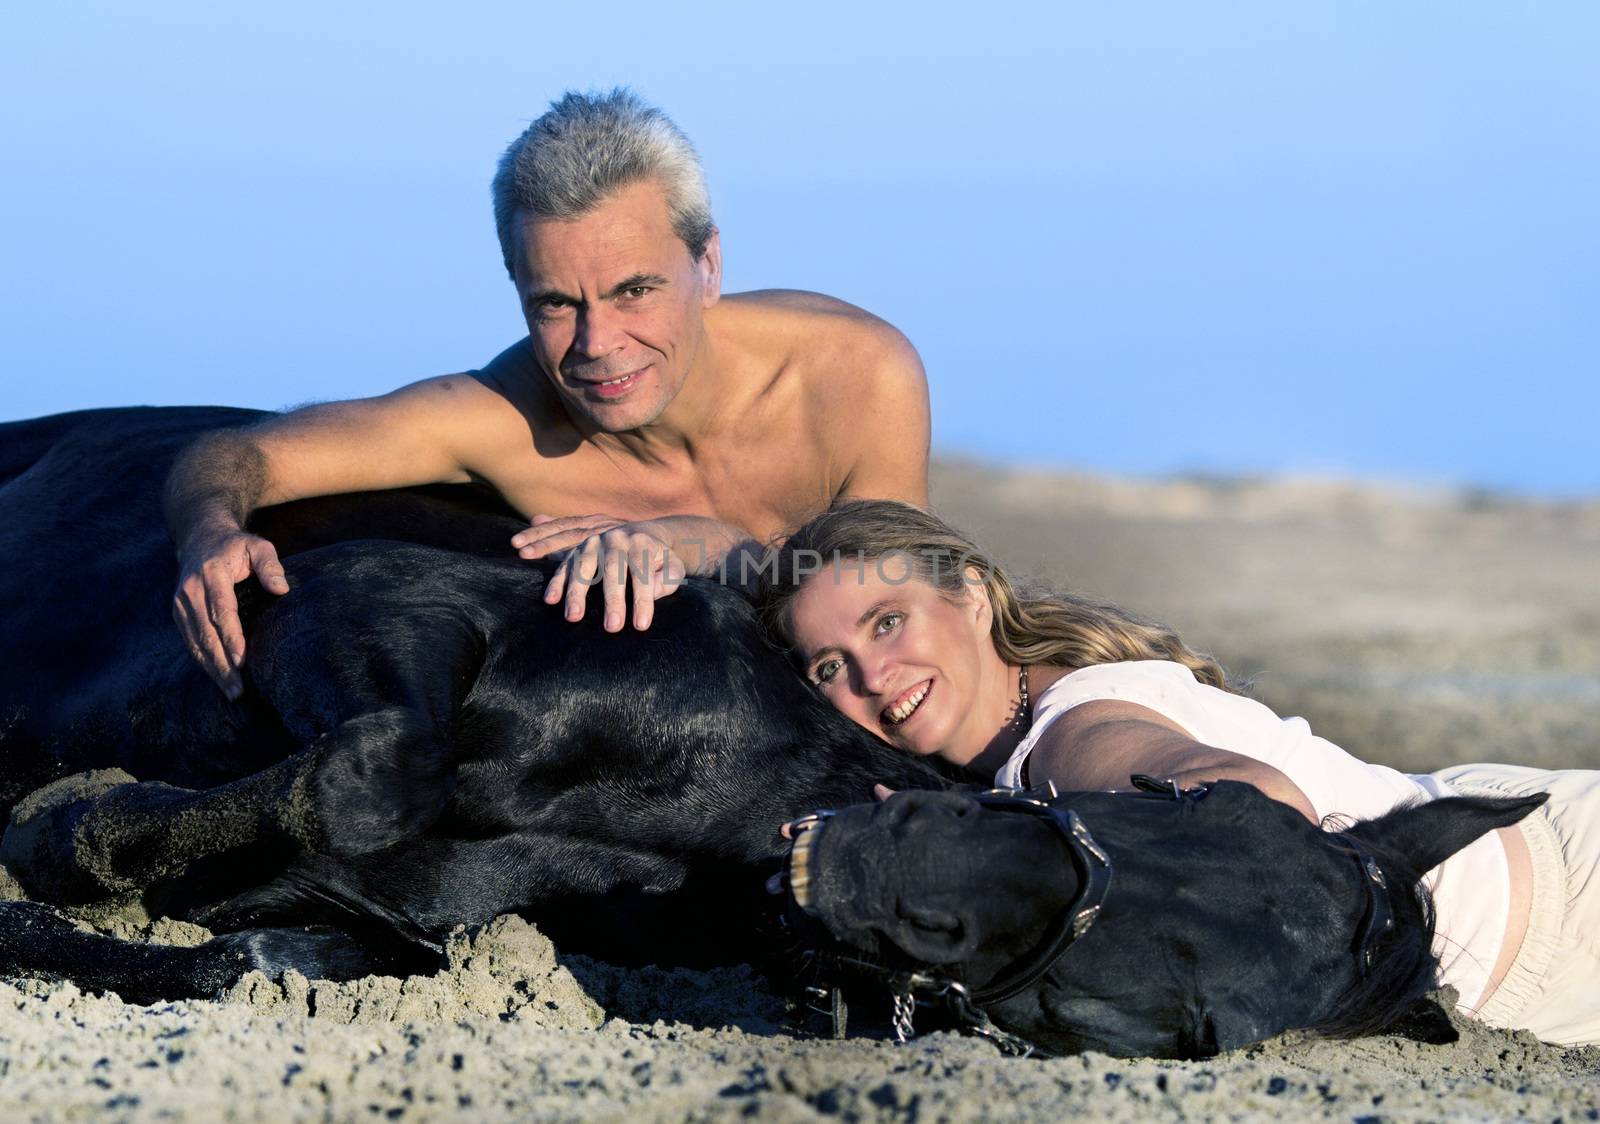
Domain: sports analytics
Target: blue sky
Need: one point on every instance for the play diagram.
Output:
(1349, 238)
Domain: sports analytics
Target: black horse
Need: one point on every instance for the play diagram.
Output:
(422, 741)
(1172, 925)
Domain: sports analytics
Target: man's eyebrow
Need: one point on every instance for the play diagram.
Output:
(655, 280)
(539, 296)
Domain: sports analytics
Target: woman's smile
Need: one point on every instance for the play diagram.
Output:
(907, 704)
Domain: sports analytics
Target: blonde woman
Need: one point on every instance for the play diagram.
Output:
(910, 630)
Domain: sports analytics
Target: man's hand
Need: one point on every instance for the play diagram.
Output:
(603, 549)
(205, 607)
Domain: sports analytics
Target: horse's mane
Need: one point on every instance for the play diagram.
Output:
(1404, 968)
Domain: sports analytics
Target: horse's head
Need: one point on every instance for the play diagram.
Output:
(1196, 923)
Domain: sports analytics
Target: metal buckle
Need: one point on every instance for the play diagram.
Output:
(1039, 795)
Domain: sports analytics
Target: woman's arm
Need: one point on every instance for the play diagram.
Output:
(1100, 744)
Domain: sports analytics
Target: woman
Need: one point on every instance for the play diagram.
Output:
(908, 629)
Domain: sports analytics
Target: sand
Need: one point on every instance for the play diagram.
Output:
(1417, 627)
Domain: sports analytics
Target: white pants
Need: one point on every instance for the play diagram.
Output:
(1553, 986)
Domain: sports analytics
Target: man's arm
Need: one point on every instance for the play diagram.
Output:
(434, 431)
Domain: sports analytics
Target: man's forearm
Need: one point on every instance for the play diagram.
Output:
(217, 482)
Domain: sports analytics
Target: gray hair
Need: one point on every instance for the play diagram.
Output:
(587, 146)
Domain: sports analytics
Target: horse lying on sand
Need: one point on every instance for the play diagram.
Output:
(423, 743)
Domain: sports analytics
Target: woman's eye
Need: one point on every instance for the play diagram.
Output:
(825, 672)
(890, 621)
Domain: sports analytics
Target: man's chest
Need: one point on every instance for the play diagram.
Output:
(762, 490)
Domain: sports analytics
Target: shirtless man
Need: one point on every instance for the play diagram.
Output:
(695, 422)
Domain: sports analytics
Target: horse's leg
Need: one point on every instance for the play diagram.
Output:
(376, 779)
(421, 887)
(36, 941)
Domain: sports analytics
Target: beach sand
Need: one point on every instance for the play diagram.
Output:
(1416, 627)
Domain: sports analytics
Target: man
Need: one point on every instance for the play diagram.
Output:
(695, 422)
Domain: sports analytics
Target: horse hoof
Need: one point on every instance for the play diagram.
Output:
(39, 848)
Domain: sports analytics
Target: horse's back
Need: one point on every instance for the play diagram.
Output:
(80, 493)
(91, 664)
(81, 527)
(152, 434)
(85, 592)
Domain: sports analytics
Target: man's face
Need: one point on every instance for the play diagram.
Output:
(615, 306)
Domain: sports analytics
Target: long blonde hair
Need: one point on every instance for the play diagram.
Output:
(1062, 629)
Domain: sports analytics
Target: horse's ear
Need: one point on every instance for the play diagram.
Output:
(1427, 834)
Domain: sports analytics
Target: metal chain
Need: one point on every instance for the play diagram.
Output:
(905, 1008)
(1009, 1044)
(978, 1022)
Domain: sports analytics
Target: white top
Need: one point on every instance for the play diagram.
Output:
(1471, 889)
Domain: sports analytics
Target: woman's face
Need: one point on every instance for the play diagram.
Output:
(901, 659)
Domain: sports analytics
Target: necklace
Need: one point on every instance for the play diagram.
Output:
(1022, 721)
(1023, 718)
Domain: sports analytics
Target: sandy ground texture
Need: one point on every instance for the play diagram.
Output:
(1417, 628)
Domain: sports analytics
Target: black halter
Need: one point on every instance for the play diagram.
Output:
(1093, 868)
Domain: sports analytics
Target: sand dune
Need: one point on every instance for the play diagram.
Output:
(1415, 627)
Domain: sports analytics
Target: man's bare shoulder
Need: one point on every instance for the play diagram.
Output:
(512, 377)
(795, 302)
(463, 401)
(809, 318)
(837, 350)
(848, 375)
(514, 387)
